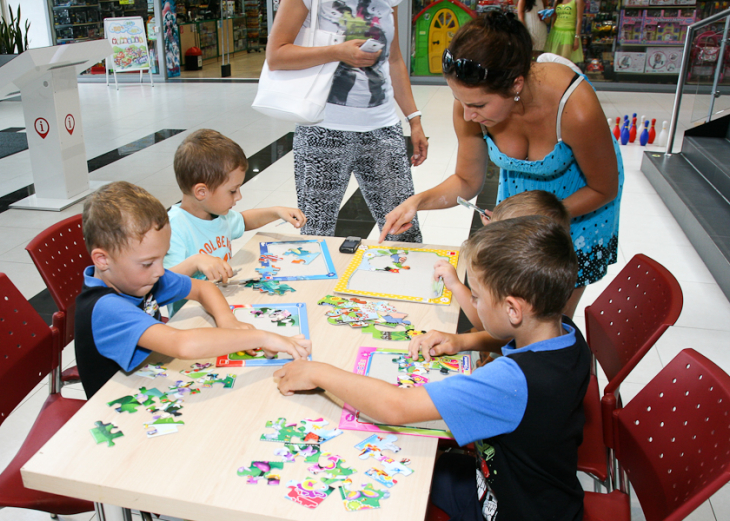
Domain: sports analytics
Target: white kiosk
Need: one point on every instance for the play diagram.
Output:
(46, 78)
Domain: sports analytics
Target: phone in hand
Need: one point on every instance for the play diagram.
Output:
(371, 46)
(350, 244)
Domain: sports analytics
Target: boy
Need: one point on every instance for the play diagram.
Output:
(434, 343)
(524, 410)
(210, 169)
(127, 233)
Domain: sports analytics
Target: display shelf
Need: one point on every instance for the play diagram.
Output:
(75, 22)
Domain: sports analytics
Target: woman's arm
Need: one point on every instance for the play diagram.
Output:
(404, 97)
(584, 130)
(281, 53)
(521, 10)
(467, 180)
(579, 5)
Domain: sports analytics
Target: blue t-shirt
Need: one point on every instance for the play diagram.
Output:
(119, 320)
(191, 235)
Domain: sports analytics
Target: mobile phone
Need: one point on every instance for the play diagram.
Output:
(350, 244)
(471, 206)
(371, 46)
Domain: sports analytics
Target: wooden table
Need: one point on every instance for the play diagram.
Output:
(192, 474)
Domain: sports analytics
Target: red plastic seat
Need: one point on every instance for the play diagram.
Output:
(60, 255)
(621, 326)
(672, 441)
(28, 353)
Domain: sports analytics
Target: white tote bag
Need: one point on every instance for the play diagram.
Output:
(299, 95)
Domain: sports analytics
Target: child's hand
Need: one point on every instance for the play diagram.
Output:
(293, 216)
(215, 269)
(486, 219)
(447, 272)
(296, 376)
(434, 343)
(297, 346)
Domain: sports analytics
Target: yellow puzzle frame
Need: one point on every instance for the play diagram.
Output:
(452, 256)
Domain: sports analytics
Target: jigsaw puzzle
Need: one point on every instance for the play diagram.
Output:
(392, 467)
(262, 470)
(396, 273)
(296, 260)
(309, 432)
(309, 492)
(103, 433)
(376, 444)
(367, 498)
(282, 319)
(151, 371)
(332, 471)
(272, 287)
(130, 403)
(198, 370)
(393, 366)
(290, 451)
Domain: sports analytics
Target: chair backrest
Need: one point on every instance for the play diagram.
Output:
(28, 349)
(60, 255)
(673, 438)
(630, 315)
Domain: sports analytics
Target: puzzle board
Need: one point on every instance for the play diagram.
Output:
(263, 317)
(378, 363)
(319, 267)
(378, 271)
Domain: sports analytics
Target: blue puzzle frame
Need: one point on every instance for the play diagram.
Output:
(331, 274)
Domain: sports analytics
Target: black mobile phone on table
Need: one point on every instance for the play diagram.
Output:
(350, 245)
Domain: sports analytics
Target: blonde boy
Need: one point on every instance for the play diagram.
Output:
(127, 233)
(524, 411)
(210, 169)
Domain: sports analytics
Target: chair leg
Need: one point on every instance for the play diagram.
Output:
(99, 509)
(146, 516)
(126, 514)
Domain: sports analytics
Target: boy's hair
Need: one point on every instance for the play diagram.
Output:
(119, 212)
(207, 156)
(533, 202)
(529, 257)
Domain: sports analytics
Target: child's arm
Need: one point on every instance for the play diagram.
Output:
(376, 398)
(214, 268)
(258, 217)
(438, 343)
(447, 272)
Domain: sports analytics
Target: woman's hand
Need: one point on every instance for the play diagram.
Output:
(576, 43)
(399, 220)
(351, 54)
(419, 141)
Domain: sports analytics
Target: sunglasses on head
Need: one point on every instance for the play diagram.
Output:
(465, 70)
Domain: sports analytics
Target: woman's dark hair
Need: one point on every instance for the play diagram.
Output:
(500, 43)
(529, 4)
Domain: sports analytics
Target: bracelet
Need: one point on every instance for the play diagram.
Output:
(413, 115)
(577, 36)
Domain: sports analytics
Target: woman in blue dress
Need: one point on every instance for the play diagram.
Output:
(542, 124)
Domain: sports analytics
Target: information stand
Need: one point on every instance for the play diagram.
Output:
(129, 47)
(46, 78)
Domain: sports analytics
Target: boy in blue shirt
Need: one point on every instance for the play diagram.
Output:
(127, 233)
(524, 411)
(210, 169)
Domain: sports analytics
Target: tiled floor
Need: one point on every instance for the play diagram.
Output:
(113, 118)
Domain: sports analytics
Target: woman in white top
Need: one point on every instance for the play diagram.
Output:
(361, 132)
(527, 13)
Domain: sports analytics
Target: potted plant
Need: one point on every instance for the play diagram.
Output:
(12, 39)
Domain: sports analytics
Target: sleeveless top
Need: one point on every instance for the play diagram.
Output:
(595, 234)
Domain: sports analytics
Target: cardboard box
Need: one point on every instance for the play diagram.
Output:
(629, 62)
(663, 60)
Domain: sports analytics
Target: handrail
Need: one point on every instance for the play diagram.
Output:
(685, 66)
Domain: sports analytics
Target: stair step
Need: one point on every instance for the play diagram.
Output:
(711, 157)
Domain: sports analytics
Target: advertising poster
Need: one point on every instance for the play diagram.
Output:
(171, 33)
(129, 43)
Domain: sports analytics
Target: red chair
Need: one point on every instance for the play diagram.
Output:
(29, 352)
(672, 441)
(60, 255)
(621, 326)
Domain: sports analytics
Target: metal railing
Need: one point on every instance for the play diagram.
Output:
(686, 57)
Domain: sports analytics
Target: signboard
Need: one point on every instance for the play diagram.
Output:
(129, 43)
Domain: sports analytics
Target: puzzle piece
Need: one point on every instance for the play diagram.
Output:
(412, 380)
(267, 272)
(333, 469)
(303, 256)
(377, 443)
(367, 498)
(381, 476)
(309, 492)
(270, 286)
(391, 468)
(130, 403)
(290, 451)
(212, 378)
(103, 433)
(259, 470)
(198, 370)
(151, 371)
(309, 432)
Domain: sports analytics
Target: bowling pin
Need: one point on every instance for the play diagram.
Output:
(617, 129)
(644, 138)
(663, 135)
(632, 130)
(652, 132)
(625, 133)
(610, 122)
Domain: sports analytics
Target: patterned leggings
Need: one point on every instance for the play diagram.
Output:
(324, 160)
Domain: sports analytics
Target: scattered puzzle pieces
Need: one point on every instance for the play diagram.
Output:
(130, 403)
(310, 432)
(151, 371)
(367, 498)
(260, 470)
(309, 492)
(392, 467)
(103, 433)
(212, 378)
(333, 470)
(198, 370)
(290, 451)
(269, 286)
(303, 256)
(377, 443)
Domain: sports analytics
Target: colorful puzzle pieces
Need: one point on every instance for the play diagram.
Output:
(333, 470)
(310, 432)
(198, 370)
(377, 443)
(212, 378)
(269, 286)
(103, 433)
(130, 403)
(309, 492)
(303, 256)
(367, 498)
(262, 470)
(290, 451)
(151, 371)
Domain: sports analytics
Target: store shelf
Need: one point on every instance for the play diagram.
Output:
(652, 44)
(78, 25)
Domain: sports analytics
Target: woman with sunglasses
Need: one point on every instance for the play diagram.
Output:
(542, 124)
